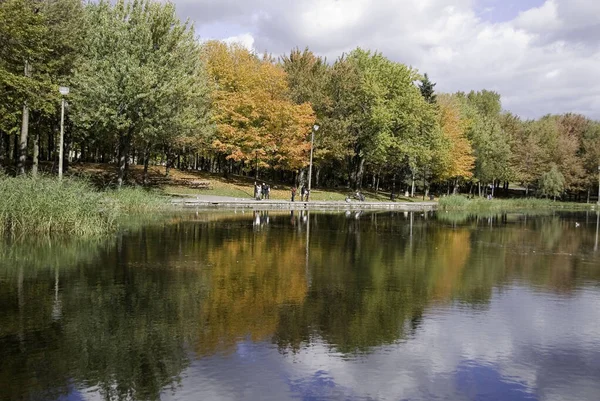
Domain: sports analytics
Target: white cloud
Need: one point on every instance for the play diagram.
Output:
(245, 39)
(543, 61)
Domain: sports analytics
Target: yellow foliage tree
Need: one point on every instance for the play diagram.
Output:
(456, 160)
(254, 115)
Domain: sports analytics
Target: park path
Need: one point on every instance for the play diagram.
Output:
(225, 202)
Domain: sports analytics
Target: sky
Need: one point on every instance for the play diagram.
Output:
(542, 56)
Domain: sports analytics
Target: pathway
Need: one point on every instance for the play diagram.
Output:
(210, 201)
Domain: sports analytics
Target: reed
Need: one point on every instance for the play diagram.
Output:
(459, 202)
(45, 205)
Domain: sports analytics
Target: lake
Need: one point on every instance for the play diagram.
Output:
(310, 306)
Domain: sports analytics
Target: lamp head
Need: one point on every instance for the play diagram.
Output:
(64, 90)
(316, 127)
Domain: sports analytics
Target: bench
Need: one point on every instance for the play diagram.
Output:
(198, 184)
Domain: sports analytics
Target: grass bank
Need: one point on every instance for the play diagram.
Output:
(462, 203)
(177, 183)
(45, 205)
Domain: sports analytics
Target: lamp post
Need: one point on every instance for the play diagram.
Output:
(64, 91)
(312, 144)
(599, 185)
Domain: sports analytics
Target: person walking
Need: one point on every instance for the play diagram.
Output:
(293, 193)
(302, 193)
(255, 190)
(268, 191)
(264, 190)
(258, 192)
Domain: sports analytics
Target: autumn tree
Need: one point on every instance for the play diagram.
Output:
(255, 118)
(455, 160)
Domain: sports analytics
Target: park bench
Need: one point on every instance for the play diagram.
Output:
(200, 184)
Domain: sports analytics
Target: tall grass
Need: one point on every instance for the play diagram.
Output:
(459, 202)
(135, 200)
(46, 205)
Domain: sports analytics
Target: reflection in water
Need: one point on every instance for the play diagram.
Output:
(597, 229)
(280, 305)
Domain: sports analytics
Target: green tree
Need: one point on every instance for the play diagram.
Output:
(23, 75)
(552, 182)
(427, 89)
(141, 80)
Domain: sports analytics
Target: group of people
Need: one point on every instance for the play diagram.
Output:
(261, 191)
(264, 192)
(304, 192)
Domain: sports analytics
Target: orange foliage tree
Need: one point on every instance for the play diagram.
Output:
(252, 109)
(456, 159)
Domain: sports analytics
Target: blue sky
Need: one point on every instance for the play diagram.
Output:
(504, 10)
(542, 56)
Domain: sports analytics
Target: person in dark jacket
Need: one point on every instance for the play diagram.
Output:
(293, 193)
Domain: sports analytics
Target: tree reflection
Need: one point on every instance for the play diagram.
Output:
(123, 315)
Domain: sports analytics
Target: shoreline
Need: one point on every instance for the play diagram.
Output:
(235, 203)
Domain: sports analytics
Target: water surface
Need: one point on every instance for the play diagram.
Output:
(283, 306)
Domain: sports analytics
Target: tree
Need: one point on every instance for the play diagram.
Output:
(141, 80)
(385, 119)
(591, 155)
(491, 144)
(23, 78)
(253, 113)
(455, 160)
(529, 157)
(552, 182)
(427, 89)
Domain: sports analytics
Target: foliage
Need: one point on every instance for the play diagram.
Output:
(255, 119)
(142, 79)
(427, 89)
(145, 91)
(456, 158)
(552, 182)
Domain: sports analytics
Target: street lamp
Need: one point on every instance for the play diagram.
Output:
(312, 144)
(64, 91)
(599, 185)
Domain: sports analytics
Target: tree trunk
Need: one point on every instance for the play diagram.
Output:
(146, 161)
(24, 131)
(15, 149)
(50, 149)
(412, 185)
(425, 189)
(36, 153)
(301, 178)
(359, 173)
(2, 140)
(123, 155)
(588, 195)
